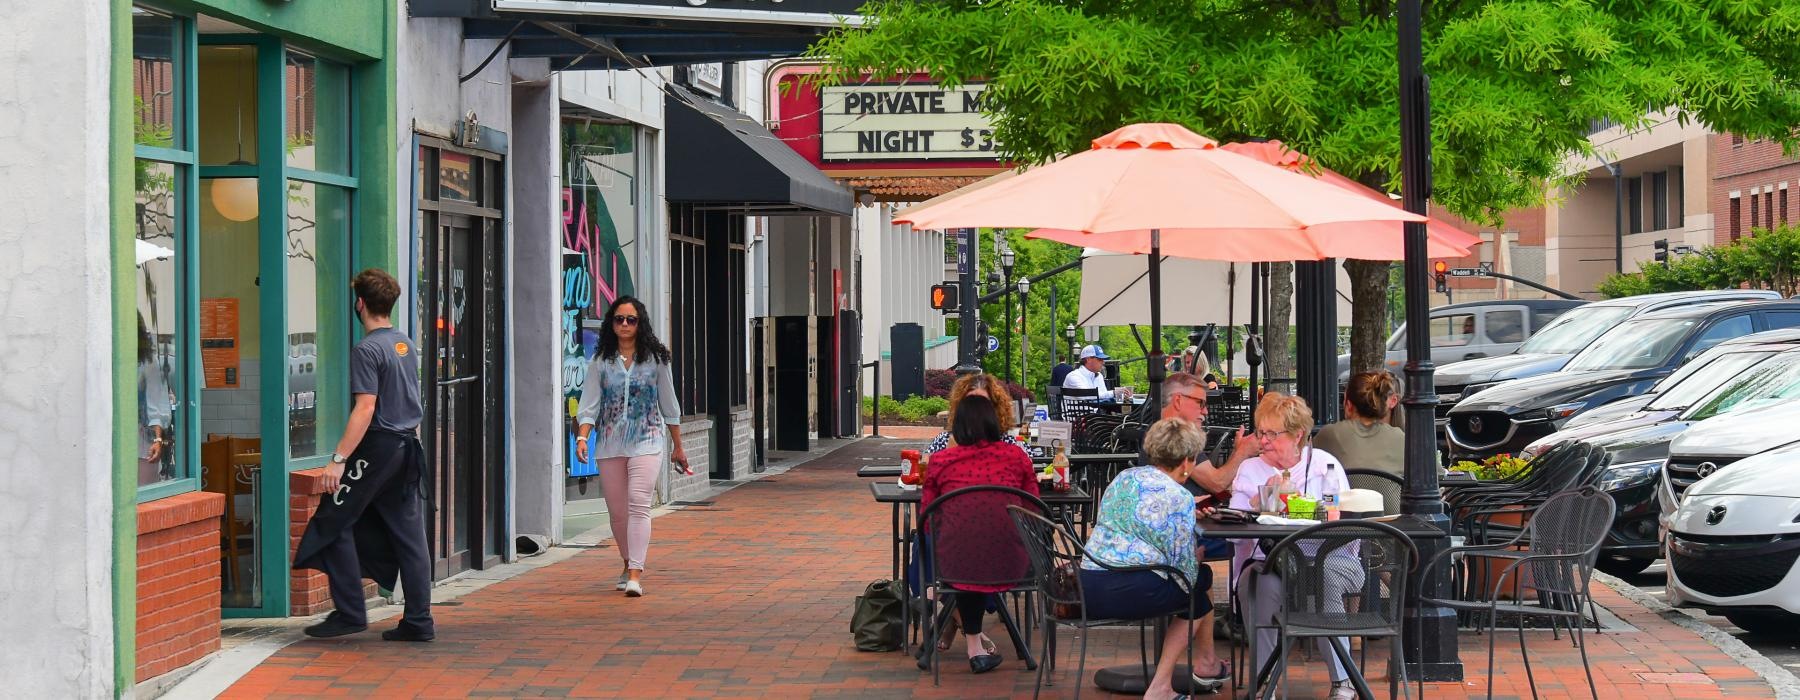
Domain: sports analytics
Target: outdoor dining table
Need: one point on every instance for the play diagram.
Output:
(1130, 679)
(881, 471)
(905, 502)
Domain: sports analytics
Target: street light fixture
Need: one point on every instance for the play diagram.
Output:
(1006, 266)
(1024, 329)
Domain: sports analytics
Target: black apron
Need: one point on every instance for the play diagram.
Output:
(384, 461)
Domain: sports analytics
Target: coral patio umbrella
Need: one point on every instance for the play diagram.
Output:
(1147, 183)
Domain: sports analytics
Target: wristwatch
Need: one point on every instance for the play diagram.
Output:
(338, 458)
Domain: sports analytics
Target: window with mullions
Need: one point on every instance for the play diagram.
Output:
(162, 221)
(688, 312)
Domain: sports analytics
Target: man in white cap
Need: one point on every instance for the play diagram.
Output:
(1092, 375)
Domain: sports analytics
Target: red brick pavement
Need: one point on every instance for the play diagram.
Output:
(752, 597)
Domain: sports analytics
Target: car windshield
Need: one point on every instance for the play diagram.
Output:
(1713, 372)
(1774, 381)
(1635, 345)
(1572, 331)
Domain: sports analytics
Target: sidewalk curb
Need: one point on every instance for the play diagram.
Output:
(1785, 684)
(211, 677)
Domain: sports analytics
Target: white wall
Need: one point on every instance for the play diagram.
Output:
(56, 408)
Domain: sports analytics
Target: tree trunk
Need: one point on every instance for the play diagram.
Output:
(1368, 314)
(1281, 308)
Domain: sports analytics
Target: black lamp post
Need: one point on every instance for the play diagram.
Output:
(1006, 268)
(1430, 654)
(1024, 330)
(1074, 350)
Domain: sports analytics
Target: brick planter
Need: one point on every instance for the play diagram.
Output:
(310, 591)
(178, 573)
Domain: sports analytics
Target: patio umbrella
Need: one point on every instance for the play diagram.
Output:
(1144, 180)
(1115, 291)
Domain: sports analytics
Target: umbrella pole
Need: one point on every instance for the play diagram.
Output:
(1230, 322)
(1158, 367)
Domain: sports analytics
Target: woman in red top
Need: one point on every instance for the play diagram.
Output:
(979, 458)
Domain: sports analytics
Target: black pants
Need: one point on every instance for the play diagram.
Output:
(970, 606)
(398, 509)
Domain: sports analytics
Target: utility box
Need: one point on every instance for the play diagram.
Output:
(907, 361)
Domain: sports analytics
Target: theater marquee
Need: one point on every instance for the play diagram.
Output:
(904, 122)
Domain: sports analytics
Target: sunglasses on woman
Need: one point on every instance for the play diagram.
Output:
(624, 320)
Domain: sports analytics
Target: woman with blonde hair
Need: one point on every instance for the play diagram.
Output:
(986, 386)
(1284, 428)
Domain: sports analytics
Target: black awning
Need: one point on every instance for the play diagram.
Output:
(721, 157)
(598, 34)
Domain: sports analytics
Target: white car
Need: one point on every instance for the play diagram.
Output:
(1734, 540)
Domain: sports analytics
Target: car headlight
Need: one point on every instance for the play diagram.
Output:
(1625, 476)
(1474, 389)
(1564, 411)
(1532, 450)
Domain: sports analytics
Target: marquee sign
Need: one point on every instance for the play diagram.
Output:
(905, 122)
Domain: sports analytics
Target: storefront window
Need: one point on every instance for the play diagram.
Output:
(318, 114)
(227, 101)
(318, 308)
(600, 213)
(156, 45)
(159, 222)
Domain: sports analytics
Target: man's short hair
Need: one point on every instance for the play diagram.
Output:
(378, 291)
(1179, 383)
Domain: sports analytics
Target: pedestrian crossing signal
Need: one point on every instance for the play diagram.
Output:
(943, 297)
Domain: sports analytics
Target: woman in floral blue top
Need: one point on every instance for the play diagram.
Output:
(630, 395)
(1147, 517)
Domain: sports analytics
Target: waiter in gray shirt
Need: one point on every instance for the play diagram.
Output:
(369, 522)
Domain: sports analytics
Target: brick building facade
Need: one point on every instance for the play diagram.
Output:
(1750, 183)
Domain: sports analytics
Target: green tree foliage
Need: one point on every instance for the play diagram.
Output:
(1768, 259)
(1516, 84)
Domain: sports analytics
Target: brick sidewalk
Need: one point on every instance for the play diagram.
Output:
(751, 597)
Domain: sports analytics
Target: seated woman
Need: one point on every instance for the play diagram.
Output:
(1364, 439)
(978, 458)
(1283, 424)
(1147, 517)
(986, 386)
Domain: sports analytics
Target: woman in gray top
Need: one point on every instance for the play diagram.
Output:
(1364, 439)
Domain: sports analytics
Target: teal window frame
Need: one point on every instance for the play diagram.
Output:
(185, 159)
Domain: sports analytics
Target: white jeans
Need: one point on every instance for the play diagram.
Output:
(629, 483)
(1260, 592)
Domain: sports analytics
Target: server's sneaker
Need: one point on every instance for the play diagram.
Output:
(335, 625)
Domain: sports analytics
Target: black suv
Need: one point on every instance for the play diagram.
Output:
(1625, 361)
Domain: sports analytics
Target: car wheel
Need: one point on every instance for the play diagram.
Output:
(1624, 567)
(1765, 623)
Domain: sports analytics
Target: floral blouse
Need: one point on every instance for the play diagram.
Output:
(628, 407)
(943, 441)
(1145, 518)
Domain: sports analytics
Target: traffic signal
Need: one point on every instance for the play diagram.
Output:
(1438, 269)
(943, 297)
(1662, 250)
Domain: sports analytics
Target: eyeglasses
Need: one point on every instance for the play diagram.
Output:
(1267, 435)
(1199, 399)
(624, 320)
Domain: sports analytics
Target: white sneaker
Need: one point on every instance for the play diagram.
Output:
(1343, 690)
(634, 589)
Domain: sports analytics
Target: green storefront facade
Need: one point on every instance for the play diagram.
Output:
(253, 170)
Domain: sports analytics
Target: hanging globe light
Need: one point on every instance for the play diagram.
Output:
(235, 197)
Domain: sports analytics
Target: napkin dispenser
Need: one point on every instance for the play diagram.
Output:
(1360, 503)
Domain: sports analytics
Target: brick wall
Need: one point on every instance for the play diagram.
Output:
(1751, 168)
(178, 594)
(743, 444)
(310, 591)
(696, 438)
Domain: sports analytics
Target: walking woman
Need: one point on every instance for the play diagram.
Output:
(630, 394)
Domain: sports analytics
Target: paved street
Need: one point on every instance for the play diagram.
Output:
(751, 597)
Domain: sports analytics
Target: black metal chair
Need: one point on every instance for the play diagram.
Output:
(1388, 484)
(973, 543)
(1320, 601)
(1554, 553)
(1056, 557)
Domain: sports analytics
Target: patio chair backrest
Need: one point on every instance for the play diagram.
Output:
(973, 540)
(1055, 556)
(1388, 484)
(1569, 523)
(1345, 576)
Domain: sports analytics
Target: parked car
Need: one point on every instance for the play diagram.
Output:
(1734, 541)
(1623, 362)
(1689, 385)
(1730, 377)
(1552, 346)
(1766, 424)
(1474, 329)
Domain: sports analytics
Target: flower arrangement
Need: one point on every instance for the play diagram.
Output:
(1497, 467)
